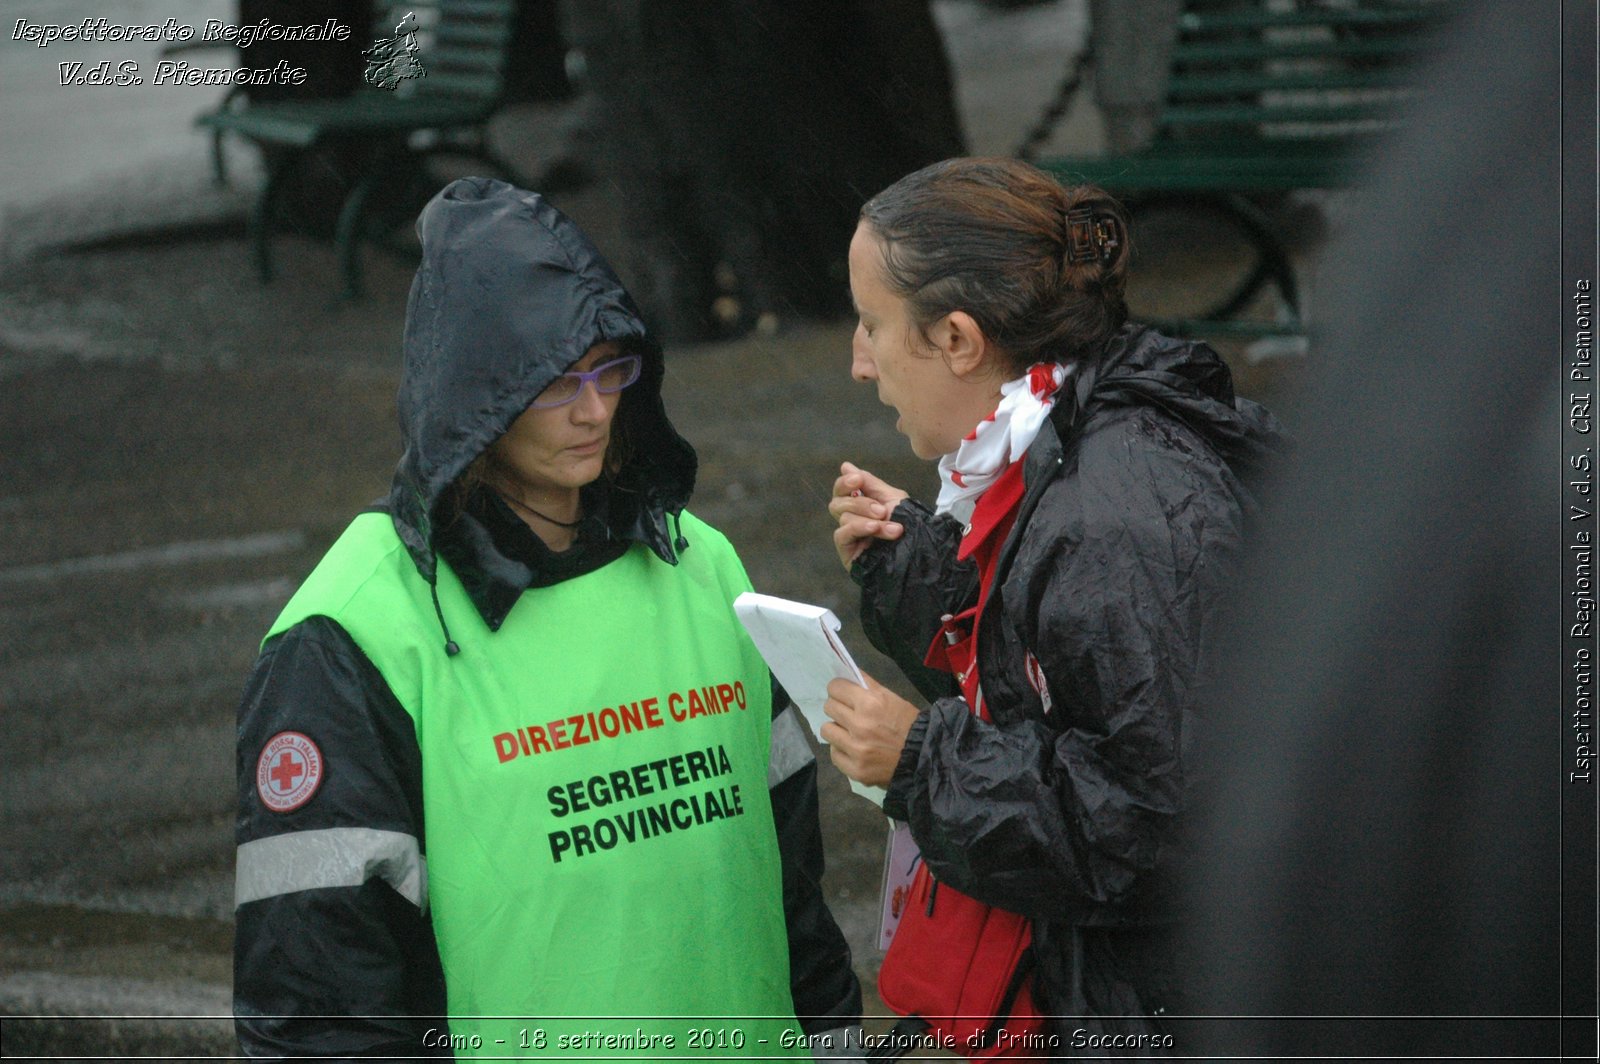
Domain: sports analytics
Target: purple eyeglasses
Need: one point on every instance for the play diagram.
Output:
(608, 378)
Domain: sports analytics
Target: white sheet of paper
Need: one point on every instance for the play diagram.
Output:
(801, 645)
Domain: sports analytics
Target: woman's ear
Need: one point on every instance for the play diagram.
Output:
(960, 340)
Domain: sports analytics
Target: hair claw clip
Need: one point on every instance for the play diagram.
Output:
(1090, 238)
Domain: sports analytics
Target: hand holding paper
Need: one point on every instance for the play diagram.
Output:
(868, 729)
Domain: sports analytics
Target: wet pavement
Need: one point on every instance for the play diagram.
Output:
(179, 444)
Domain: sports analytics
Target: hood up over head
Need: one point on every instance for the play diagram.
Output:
(509, 295)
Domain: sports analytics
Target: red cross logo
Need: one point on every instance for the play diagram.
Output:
(288, 769)
(288, 772)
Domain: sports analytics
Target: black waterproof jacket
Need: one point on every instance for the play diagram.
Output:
(1067, 807)
(510, 293)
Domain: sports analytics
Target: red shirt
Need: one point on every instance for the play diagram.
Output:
(955, 648)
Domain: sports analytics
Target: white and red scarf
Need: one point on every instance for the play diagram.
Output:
(999, 439)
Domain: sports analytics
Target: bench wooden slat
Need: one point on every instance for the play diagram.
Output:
(475, 9)
(1234, 329)
(1234, 51)
(1133, 174)
(1364, 18)
(1329, 113)
(459, 34)
(484, 86)
(1188, 86)
(460, 59)
(431, 12)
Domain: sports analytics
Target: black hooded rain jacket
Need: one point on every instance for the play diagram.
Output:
(510, 294)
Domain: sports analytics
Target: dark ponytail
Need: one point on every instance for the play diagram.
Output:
(1042, 269)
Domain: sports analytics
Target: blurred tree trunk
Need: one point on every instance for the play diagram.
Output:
(744, 135)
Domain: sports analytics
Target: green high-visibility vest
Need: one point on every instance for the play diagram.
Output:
(603, 872)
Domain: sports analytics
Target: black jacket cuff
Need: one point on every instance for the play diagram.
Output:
(897, 798)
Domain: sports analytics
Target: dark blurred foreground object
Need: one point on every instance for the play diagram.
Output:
(1385, 836)
(432, 79)
(743, 137)
(1218, 108)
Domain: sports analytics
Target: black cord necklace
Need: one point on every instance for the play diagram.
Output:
(543, 517)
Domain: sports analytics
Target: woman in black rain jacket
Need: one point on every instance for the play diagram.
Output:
(1093, 500)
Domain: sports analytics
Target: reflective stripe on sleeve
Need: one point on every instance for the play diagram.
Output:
(790, 751)
(331, 857)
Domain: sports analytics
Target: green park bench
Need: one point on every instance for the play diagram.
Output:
(1264, 97)
(428, 97)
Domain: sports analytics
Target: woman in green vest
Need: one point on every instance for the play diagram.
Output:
(512, 780)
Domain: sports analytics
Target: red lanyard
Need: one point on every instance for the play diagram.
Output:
(955, 647)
